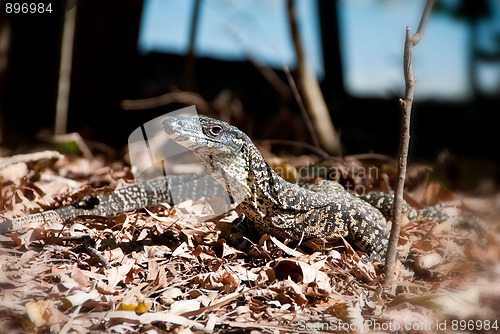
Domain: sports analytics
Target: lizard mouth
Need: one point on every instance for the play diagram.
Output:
(179, 130)
(186, 132)
(172, 125)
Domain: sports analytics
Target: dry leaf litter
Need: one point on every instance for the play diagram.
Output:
(173, 271)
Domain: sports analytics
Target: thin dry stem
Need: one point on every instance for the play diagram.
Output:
(312, 96)
(406, 104)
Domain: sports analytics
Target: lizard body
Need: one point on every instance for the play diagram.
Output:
(274, 206)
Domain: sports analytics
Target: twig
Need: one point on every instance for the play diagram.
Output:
(265, 70)
(63, 89)
(77, 139)
(312, 95)
(189, 68)
(302, 107)
(88, 244)
(30, 157)
(187, 98)
(406, 104)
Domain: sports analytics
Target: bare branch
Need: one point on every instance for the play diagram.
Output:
(187, 98)
(406, 105)
(303, 111)
(189, 66)
(423, 22)
(313, 98)
(64, 84)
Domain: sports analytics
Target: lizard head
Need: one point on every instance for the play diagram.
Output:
(228, 155)
(201, 133)
(220, 147)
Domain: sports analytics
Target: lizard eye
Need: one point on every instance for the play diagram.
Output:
(215, 130)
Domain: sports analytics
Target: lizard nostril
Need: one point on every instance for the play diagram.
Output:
(180, 123)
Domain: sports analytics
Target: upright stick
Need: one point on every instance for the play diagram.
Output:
(406, 104)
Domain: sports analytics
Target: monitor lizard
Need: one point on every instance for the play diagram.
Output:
(269, 204)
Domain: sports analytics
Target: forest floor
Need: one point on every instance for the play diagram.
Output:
(173, 270)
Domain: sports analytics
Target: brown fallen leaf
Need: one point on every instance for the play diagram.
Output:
(285, 248)
(302, 272)
(44, 312)
(79, 298)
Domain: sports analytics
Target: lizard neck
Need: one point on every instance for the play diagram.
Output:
(251, 182)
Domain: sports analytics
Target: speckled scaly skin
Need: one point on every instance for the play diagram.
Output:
(274, 206)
